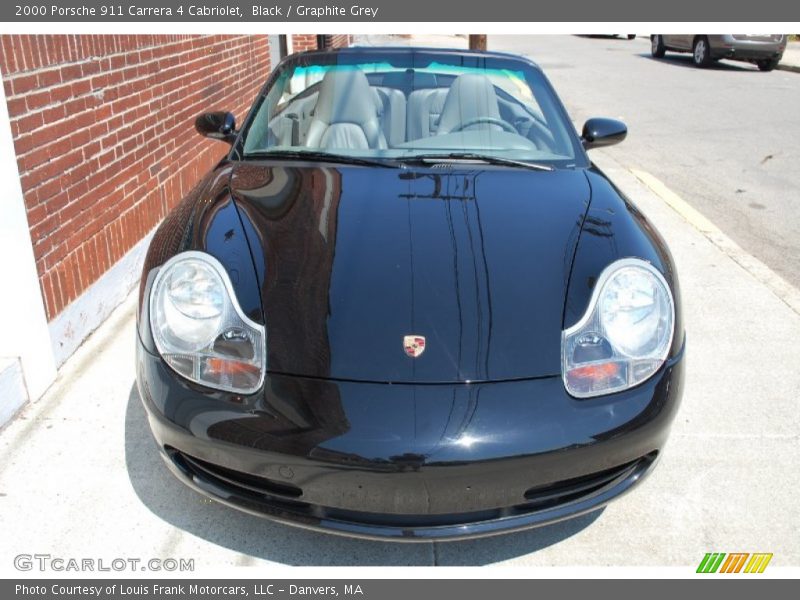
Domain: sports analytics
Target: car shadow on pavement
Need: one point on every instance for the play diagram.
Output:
(603, 36)
(685, 60)
(254, 537)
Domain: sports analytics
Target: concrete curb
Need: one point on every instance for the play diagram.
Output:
(790, 68)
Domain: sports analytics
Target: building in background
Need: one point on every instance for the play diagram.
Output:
(101, 146)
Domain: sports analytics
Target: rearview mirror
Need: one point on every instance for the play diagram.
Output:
(600, 132)
(217, 126)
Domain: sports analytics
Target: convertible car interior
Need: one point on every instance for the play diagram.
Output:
(349, 109)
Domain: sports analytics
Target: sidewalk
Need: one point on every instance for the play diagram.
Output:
(80, 475)
(791, 58)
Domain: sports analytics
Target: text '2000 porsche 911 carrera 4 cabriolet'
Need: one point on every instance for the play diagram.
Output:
(406, 305)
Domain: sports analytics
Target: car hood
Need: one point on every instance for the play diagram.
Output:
(351, 260)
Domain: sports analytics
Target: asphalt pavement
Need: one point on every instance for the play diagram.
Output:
(80, 474)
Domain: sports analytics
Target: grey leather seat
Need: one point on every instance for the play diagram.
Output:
(284, 128)
(409, 80)
(347, 114)
(470, 97)
(392, 107)
(424, 109)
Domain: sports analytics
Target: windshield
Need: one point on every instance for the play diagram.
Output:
(405, 104)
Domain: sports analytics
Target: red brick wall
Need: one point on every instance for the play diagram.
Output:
(103, 130)
(304, 41)
(307, 41)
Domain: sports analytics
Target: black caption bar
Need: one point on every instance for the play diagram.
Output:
(373, 589)
(450, 11)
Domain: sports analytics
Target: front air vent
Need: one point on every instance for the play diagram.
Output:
(243, 481)
(569, 490)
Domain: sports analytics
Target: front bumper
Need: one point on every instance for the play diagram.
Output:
(405, 462)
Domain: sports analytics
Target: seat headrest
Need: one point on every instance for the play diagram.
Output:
(346, 97)
(470, 96)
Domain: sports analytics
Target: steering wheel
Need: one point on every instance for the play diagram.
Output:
(490, 120)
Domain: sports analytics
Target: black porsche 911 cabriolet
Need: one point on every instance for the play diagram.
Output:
(406, 305)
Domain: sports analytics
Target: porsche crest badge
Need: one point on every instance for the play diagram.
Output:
(414, 345)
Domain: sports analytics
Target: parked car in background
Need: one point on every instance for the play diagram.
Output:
(763, 50)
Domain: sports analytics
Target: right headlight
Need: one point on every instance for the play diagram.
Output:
(625, 335)
(199, 328)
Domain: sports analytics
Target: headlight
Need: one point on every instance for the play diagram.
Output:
(199, 328)
(625, 335)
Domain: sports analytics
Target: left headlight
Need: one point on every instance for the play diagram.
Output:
(625, 335)
(199, 328)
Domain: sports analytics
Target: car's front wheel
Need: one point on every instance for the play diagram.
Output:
(768, 64)
(701, 52)
(657, 48)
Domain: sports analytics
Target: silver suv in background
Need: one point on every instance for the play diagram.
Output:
(764, 50)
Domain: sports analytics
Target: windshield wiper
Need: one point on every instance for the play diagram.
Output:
(312, 155)
(474, 156)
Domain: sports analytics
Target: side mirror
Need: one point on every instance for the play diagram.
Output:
(603, 132)
(217, 126)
